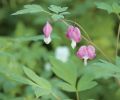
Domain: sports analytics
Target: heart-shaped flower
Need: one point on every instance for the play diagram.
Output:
(86, 52)
(74, 34)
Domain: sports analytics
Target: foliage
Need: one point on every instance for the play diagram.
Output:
(58, 12)
(114, 8)
(29, 9)
(71, 76)
(23, 55)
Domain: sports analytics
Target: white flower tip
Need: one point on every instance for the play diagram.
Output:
(47, 40)
(85, 61)
(73, 44)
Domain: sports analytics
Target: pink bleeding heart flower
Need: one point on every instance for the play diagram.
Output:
(86, 52)
(47, 29)
(74, 34)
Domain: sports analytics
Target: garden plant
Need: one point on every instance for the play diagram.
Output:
(65, 60)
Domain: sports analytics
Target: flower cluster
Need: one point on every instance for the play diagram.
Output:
(74, 34)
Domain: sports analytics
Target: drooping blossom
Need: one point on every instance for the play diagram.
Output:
(86, 52)
(47, 30)
(62, 53)
(74, 34)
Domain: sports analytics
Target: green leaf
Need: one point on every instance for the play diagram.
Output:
(66, 71)
(32, 38)
(67, 87)
(86, 82)
(22, 79)
(103, 69)
(56, 17)
(16, 77)
(29, 38)
(30, 9)
(41, 86)
(64, 13)
(104, 6)
(57, 9)
(106, 69)
(43, 83)
(116, 8)
(40, 92)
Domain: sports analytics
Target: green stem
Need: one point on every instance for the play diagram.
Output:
(77, 95)
(118, 35)
(47, 12)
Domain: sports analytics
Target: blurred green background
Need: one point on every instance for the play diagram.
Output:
(101, 27)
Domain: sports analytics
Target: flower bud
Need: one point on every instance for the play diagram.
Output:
(47, 29)
(86, 52)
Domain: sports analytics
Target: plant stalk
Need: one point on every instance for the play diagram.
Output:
(118, 36)
(77, 95)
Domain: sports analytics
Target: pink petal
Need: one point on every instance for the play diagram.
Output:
(76, 35)
(69, 31)
(82, 52)
(86, 52)
(91, 52)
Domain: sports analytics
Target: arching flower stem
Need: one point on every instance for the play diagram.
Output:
(88, 40)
